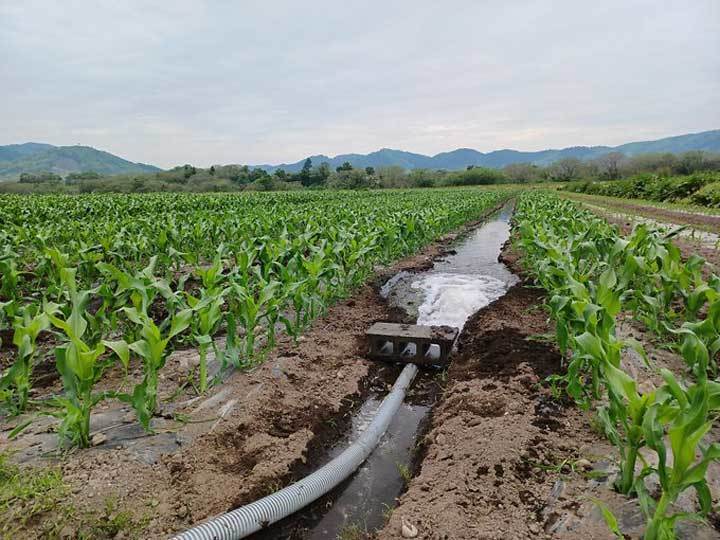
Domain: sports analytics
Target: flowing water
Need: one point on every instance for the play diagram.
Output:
(466, 280)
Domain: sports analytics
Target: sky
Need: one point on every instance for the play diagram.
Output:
(222, 81)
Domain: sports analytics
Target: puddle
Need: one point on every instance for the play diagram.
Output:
(456, 287)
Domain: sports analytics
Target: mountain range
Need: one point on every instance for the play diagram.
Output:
(16, 159)
(461, 158)
(37, 157)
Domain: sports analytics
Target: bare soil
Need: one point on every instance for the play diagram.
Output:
(687, 246)
(681, 217)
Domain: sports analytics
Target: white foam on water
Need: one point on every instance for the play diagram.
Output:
(450, 299)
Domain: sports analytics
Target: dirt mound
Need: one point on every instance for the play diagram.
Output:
(496, 435)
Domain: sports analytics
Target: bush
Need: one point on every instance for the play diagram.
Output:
(709, 195)
(649, 186)
(475, 176)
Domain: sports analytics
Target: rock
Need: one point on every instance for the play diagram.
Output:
(583, 464)
(407, 529)
(128, 417)
(182, 511)
(534, 528)
(98, 439)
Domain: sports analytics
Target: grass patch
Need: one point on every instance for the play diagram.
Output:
(26, 493)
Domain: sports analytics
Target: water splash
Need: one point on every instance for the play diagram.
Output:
(451, 299)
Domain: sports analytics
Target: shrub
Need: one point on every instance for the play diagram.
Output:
(709, 195)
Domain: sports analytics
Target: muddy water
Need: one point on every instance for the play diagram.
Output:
(467, 279)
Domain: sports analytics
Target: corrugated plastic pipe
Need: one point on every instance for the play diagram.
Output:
(252, 517)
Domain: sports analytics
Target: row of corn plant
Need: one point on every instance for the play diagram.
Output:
(592, 275)
(97, 280)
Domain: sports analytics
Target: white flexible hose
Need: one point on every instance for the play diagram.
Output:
(252, 517)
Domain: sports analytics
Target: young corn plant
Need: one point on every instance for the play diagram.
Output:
(16, 382)
(206, 321)
(81, 365)
(153, 349)
(623, 419)
(251, 310)
(686, 414)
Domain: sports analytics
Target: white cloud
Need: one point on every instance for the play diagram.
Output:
(218, 82)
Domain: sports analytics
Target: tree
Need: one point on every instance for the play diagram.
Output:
(350, 179)
(422, 178)
(304, 174)
(344, 167)
(392, 177)
(566, 169)
(257, 174)
(609, 165)
(370, 171)
(39, 178)
(475, 176)
(690, 162)
(212, 170)
(322, 174)
(189, 170)
(522, 172)
(73, 178)
(307, 166)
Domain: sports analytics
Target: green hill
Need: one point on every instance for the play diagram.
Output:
(16, 159)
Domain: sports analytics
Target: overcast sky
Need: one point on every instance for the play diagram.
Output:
(170, 82)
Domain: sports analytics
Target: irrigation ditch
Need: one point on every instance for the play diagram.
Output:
(467, 278)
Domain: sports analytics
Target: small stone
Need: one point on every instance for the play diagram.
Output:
(128, 418)
(534, 528)
(154, 502)
(98, 439)
(583, 464)
(407, 529)
(182, 511)
(440, 439)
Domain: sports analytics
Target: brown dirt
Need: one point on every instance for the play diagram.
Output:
(277, 415)
(686, 245)
(706, 221)
(496, 432)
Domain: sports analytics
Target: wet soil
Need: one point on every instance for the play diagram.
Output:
(244, 439)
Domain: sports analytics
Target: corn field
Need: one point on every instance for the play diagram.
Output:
(100, 280)
(593, 274)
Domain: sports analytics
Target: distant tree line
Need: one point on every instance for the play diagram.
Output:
(612, 166)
